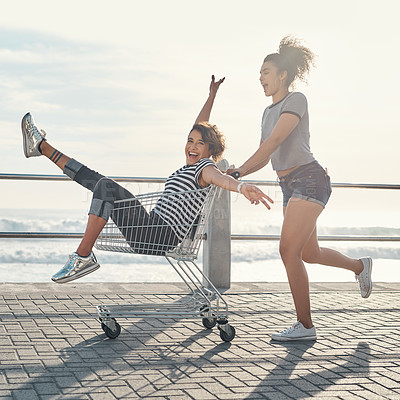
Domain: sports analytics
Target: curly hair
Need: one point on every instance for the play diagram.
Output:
(211, 135)
(294, 58)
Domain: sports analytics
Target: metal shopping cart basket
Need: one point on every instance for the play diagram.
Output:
(136, 227)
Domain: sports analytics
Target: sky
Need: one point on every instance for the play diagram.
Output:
(118, 85)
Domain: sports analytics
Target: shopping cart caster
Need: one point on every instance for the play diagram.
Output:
(209, 323)
(113, 330)
(103, 326)
(226, 332)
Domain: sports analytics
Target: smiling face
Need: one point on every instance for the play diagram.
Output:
(196, 148)
(273, 81)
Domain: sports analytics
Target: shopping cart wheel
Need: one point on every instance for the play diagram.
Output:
(226, 332)
(112, 334)
(209, 323)
(103, 326)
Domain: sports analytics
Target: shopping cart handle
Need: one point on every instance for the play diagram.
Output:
(236, 174)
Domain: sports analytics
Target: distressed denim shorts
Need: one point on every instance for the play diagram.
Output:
(309, 182)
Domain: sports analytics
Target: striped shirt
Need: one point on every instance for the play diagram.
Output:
(177, 206)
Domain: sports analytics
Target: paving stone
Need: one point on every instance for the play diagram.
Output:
(52, 346)
(24, 395)
(46, 388)
(200, 394)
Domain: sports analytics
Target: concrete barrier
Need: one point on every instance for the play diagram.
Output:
(217, 247)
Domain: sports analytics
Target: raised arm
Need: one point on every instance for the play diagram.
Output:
(212, 175)
(205, 112)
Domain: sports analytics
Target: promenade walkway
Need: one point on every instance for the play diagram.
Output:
(52, 346)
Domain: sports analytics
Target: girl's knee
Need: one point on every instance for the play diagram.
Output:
(288, 252)
(105, 189)
(104, 183)
(109, 190)
(309, 260)
(311, 257)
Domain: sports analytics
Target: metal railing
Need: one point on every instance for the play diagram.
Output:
(216, 250)
(37, 177)
(329, 238)
(63, 235)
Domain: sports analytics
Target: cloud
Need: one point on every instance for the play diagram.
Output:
(102, 90)
(135, 74)
(70, 72)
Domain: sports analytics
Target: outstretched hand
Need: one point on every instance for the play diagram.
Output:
(205, 112)
(256, 195)
(214, 86)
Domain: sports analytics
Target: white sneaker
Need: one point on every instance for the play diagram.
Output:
(295, 332)
(364, 278)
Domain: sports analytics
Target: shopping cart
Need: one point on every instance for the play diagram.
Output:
(135, 227)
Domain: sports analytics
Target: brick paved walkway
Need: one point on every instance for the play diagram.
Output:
(52, 346)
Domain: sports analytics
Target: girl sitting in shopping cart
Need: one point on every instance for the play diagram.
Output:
(164, 224)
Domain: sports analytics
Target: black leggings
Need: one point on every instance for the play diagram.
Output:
(146, 233)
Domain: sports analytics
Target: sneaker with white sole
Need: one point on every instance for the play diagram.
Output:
(31, 136)
(364, 278)
(295, 332)
(76, 267)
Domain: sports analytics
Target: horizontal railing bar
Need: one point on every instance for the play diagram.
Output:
(366, 185)
(40, 235)
(35, 177)
(340, 238)
(162, 180)
(334, 184)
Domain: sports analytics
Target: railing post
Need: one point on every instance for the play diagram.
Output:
(217, 247)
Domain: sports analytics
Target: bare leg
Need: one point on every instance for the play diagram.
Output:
(312, 254)
(298, 225)
(53, 155)
(299, 243)
(93, 228)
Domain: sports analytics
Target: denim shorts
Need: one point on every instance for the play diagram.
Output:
(309, 182)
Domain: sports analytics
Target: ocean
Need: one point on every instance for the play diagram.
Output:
(36, 260)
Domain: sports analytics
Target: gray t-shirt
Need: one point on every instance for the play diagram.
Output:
(295, 149)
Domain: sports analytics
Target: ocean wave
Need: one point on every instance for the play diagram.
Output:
(255, 228)
(359, 231)
(40, 251)
(271, 252)
(75, 225)
(52, 252)
(57, 251)
(387, 253)
(39, 225)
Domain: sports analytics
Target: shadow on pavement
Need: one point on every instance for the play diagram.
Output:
(78, 364)
(300, 387)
